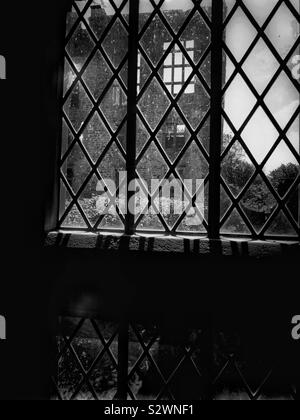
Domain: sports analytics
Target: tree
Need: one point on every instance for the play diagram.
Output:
(258, 201)
(283, 177)
(259, 197)
(236, 170)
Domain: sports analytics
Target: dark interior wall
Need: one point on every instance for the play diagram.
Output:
(28, 36)
(254, 298)
(258, 297)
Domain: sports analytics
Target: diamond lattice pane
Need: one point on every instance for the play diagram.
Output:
(182, 64)
(260, 66)
(196, 26)
(173, 135)
(283, 100)
(258, 203)
(80, 46)
(87, 365)
(281, 226)
(193, 110)
(116, 43)
(152, 165)
(235, 225)
(262, 113)
(95, 137)
(236, 169)
(99, 16)
(154, 39)
(154, 104)
(283, 21)
(76, 168)
(282, 169)
(114, 106)
(236, 107)
(94, 133)
(173, 20)
(260, 12)
(239, 24)
(195, 211)
(97, 75)
(78, 106)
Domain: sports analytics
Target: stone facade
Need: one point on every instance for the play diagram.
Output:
(153, 103)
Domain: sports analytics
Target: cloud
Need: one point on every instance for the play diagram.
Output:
(285, 113)
(283, 98)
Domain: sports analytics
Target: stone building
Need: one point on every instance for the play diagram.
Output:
(174, 133)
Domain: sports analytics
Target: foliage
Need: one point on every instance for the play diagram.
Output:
(258, 201)
(236, 170)
(283, 177)
(259, 197)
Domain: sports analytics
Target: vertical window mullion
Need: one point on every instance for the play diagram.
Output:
(216, 119)
(132, 95)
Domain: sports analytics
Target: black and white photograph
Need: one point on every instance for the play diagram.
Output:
(150, 191)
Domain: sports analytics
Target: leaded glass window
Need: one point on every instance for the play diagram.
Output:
(197, 95)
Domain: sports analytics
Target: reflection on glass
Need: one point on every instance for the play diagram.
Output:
(86, 347)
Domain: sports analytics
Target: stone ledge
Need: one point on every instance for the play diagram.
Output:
(175, 245)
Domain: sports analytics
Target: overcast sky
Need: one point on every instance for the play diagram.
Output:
(282, 100)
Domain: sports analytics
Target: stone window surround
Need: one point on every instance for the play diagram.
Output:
(180, 245)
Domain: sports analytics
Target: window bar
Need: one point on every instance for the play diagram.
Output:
(208, 356)
(131, 109)
(216, 119)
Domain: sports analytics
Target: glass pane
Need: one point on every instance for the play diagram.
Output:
(178, 75)
(178, 58)
(167, 370)
(171, 141)
(80, 46)
(187, 72)
(263, 160)
(83, 356)
(95, 113)
(168, 75)
(154, 103)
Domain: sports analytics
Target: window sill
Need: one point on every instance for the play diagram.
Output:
(173, 245)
